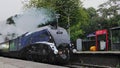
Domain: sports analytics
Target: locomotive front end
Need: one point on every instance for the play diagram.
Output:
(62, 43)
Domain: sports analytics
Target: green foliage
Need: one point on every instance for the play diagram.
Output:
(10, 21)
(71, 14)
(92, 12)
(81, 21)
(110, 11)
(41, 3)
(78, 29)
(96, 22)
(92, 23)
(105, 17)
(114, 21)
(109, 8)
(66, 8)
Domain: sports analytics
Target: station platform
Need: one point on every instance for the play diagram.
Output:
(103, 58)
(97, 52)
(16, 63)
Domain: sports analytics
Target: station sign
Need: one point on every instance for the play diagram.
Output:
(101, 32)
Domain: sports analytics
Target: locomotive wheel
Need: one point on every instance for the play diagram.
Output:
(29, 53)
(48, 55)
(44, 54)
(64, 54)
(51, 58)
(40, 53)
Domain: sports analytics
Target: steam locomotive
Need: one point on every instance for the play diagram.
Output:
(46, 44)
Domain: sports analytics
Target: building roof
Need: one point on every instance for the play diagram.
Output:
(115, 28)
(91, 35)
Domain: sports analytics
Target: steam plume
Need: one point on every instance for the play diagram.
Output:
(25, 22)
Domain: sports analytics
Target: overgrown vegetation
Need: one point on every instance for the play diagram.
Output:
(79, 20)
(72, 14)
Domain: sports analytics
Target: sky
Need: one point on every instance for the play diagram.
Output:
(11, 7)
(93, 3)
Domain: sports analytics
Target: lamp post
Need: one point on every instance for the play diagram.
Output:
(57, 17)
(68, 18)
(69, 24)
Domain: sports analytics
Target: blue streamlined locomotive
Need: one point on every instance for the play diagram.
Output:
(45, 44)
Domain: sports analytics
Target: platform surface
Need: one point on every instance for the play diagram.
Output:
(15, 63)
(102, 58)
(97, 52)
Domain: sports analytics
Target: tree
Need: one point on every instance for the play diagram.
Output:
(109, 11)
(93, 21)
(109, 8)
(78, 29)
(68, 9)
(10, 21)
(92, 12)
(71, 13)
(96, 22)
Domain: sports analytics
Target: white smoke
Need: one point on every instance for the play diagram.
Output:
(25, 22)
